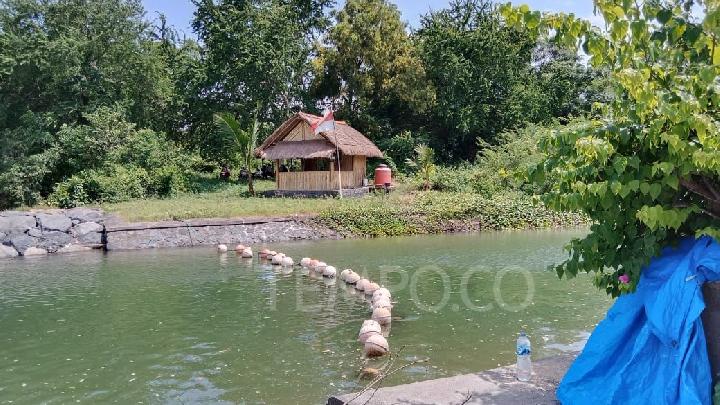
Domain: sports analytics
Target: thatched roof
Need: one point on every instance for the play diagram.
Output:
(345, 138)
(316, 148)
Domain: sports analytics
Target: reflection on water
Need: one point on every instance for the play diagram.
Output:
(189, 325)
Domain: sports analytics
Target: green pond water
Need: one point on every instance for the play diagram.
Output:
(193, 326)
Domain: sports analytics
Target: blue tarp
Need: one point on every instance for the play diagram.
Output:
(650, 348)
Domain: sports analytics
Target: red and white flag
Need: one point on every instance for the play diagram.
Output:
(324, 124)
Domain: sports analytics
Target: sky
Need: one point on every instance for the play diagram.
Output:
(180, 12)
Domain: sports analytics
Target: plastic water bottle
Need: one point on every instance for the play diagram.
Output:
(523, 351)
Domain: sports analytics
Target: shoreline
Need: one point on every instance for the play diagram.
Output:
(55, 231)
(496, 386)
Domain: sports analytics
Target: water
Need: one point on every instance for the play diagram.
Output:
(189, 325)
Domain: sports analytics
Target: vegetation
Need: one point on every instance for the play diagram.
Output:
(646, 170)
(436, 212)
(243, 142)
(82, 81)
(424, 163)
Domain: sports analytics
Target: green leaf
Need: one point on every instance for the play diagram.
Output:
(664, 15)
(655, 190)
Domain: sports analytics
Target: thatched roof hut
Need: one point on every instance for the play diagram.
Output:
(317, 155)
(295, 139)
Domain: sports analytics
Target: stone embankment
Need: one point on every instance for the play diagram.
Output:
(34, 233)
(41, 232)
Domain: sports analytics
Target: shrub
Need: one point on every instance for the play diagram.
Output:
(135, 164)
(435, 212)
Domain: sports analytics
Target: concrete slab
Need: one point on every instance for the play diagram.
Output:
(497, 387)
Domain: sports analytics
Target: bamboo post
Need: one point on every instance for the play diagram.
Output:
(276, 163)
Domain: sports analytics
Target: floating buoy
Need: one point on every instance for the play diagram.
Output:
(352, 278)
(376, 346)
(371, 287)
(381, 292)
(277, 259)
(239, 248)
(383, 316)
(288, 261)
(305, 262)
(330, 271)
(222, 248)
(382, 303)
(247, 253)
(344, 274)
(368, 329)
(360, 285)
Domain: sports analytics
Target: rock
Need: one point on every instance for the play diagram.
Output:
(22, 242)
(8, 251)
(85, 214)
(2, 236)
(75, 222)
(54, 222)
(14, 213)
(52, 241)
(89, 233)
(73, 248)
(34, 251)
(35, 232)
(17, 223)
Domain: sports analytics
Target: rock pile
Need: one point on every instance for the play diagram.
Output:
(33, 233)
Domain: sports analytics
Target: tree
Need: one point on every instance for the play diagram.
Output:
(369, 66)
(647, 171)
(425, 164)
(562, 86)
(256, 61)
(60, 62)
(68, 57)
(479, 68)
(244, 141)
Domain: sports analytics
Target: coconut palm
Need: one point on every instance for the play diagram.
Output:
(244, 141)
(424, 162)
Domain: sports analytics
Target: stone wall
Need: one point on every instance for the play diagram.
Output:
(42, 232)
(30, 233)
(213, 232)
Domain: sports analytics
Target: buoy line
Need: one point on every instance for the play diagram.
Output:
(370, 334)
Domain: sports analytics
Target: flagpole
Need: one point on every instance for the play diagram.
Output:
(337, 153)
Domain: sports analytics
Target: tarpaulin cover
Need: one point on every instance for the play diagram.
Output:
(650, 348)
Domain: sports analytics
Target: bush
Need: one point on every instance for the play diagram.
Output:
(435, 212)
(132, 164)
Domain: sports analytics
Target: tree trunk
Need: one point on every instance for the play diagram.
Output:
(251, 188)
(711, 324)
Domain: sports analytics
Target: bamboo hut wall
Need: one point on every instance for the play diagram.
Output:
(323, 180)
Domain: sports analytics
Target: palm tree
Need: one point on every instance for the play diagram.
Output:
(425, 163)
(244, 141)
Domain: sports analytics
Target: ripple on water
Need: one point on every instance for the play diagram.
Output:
(189, 326)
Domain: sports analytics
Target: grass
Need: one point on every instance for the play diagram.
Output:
(403, 212)
(217, 199)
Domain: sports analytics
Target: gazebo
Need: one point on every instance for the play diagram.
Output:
(307, 163)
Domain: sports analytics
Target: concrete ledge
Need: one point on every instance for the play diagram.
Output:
(198, 232)
(497, 386)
